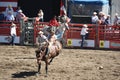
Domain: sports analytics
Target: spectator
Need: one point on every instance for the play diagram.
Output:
(9, 9)
(2, 17)
(10, 16)
(13, 33)
(107, 20)
(53, 23)
(116, 18)
(20, 15)
(65, 20)
(102, 18)
(95, 18)
(83, 34)
(40, 15)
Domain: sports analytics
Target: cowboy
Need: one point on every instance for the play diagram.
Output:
(42, 41)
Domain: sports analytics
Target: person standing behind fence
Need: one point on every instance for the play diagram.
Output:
(65, 20)
(20, 15)
(102, 18)
(95, 18)
(83, 33)
(116, 18)
(13, 33)
(40, 15)
(107, 20)
(10, 16)
(9, 9)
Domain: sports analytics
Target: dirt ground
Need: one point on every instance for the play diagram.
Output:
(19, 63)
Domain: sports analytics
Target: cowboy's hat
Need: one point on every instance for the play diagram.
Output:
(85, 26)
(94, 13)
(13, 25)
(19, 11)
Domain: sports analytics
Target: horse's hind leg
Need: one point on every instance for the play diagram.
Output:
(46, 67)
(39, 67)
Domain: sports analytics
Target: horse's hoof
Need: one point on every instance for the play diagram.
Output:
(37, 74)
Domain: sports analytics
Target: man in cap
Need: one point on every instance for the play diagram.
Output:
(83, 34)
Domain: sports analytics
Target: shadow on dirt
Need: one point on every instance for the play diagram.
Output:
(23, 74)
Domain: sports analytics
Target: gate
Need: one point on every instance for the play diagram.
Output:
(109, 36)
(27, 32)
(100, 36)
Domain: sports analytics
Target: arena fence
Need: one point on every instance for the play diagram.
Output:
(100, 36)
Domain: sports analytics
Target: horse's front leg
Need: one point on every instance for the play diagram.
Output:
(46, 67)
(39, 67)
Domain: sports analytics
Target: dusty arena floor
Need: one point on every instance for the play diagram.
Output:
(19, 63)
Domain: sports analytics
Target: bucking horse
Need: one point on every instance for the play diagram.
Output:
(54, 51)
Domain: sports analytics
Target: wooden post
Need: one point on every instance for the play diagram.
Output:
(21, 32)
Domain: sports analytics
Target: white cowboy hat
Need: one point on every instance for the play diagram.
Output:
(13, 25)
(85, 25)
(40, 32)
(94, 13)
(20, 11)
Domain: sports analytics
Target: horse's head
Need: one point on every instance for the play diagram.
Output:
(41, 50)
(37, 53)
